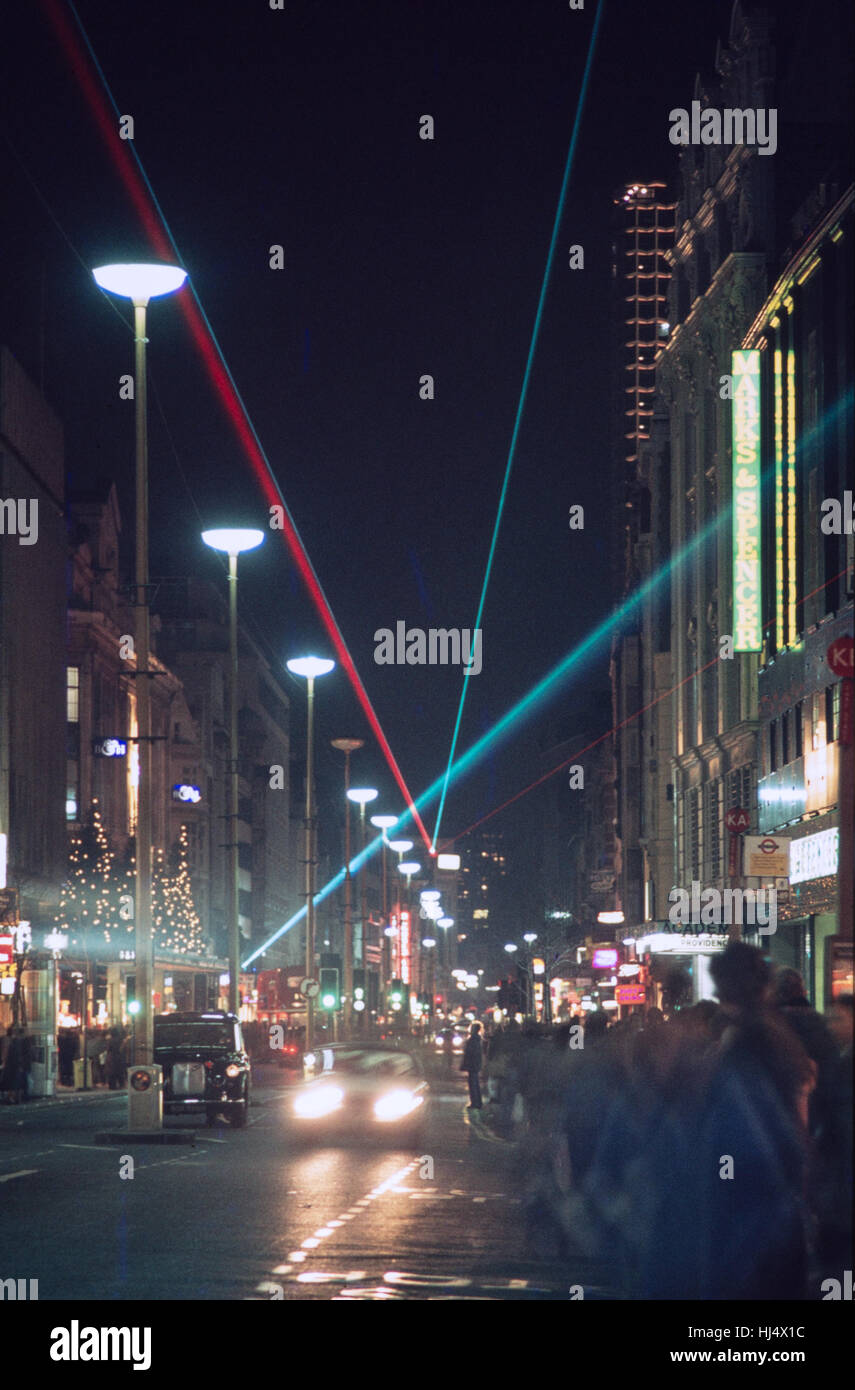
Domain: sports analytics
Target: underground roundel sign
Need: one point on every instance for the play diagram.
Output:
(141, 1080)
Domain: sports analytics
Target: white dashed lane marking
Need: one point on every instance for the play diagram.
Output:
(329, 1228)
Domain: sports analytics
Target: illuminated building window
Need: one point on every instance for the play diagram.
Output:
(832, 713)
(72, 694)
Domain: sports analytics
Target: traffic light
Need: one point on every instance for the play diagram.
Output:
(329, 996)
(359, 990)
(395, 996)
(100, 982)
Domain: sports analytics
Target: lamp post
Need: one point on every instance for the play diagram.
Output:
(233, 542)
(140, 283)
(347, 746)
(310, 667)
(362, 795)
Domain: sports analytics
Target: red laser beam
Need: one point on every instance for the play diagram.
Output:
(81, 67)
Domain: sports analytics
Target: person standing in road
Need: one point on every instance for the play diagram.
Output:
(472, 1064)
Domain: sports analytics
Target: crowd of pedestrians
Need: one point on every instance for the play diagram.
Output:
(704, 1156)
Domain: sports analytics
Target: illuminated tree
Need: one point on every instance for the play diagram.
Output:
(97, 895)
(177, 924)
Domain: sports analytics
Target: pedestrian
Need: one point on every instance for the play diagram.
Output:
(114, 1063)
(472, 1063)
(790, 1000)
(752, 1225)
(66, 1044)
(15, 1078)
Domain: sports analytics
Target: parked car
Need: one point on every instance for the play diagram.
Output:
(206, 1068)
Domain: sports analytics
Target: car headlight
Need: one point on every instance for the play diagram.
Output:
(233, 1069)
(314, 1103)
(395, 1104)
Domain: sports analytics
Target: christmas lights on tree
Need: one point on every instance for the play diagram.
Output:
(97, 895)
(177, 924)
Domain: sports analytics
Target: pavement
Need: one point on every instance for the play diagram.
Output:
(254, 1215)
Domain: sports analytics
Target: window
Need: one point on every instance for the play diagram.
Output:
(695, 827)
(785, 738)
(798, 748)
(712, 818)
(773, 745)
(72, 694)
(832, 713)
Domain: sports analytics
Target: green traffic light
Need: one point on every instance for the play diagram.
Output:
(328, 1001)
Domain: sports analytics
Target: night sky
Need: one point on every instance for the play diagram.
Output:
(402, 257)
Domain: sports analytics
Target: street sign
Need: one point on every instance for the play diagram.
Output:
(309, 988)
(766, 856)
(737, 820)
(841, 656)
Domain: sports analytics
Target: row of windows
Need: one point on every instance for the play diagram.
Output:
(700, 823)
(819, 715)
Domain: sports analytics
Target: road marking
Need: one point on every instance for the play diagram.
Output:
(14, 1158)
(22, 1173)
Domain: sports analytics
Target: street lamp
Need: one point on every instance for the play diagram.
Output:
(233, 542)
(310, 667)
(347, 746)
(140, 283)
(401, 847)
(361, 796)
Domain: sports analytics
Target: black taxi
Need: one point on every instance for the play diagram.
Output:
(206, 1068)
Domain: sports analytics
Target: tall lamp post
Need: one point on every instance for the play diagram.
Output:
(310, 667)
(361, 796)
(233, 542)
(140, 283)
(348, 746)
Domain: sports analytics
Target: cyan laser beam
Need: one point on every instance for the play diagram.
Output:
(544, 687)
(556, 226)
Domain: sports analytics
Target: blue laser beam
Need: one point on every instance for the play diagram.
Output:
(556, 226)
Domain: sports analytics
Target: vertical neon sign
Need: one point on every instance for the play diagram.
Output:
(780, 635)
(405, 947)
(747, 625)
(792, 634)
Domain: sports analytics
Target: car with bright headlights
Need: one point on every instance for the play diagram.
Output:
(458, 1039)
(206, 1068)
(361, 1090)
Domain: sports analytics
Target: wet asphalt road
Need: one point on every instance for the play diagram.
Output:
(251, 1215)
